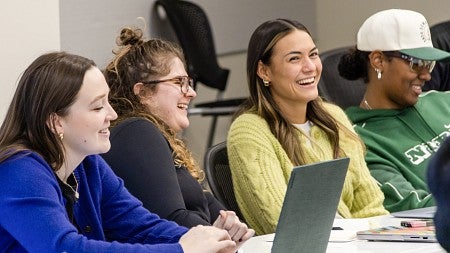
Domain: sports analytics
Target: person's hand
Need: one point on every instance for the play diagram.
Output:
(238, 231)
(206, 239)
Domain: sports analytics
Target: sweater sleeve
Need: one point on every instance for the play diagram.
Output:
(366, 197)
(123, 217)
(398, 191)
(214, 206)
(141, 156)
(43, 225)
(258, 178)
(402, 185)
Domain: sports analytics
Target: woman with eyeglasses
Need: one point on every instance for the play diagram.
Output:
(151, 92)
(401, 126)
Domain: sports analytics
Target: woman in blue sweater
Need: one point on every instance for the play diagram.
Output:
(57, 194)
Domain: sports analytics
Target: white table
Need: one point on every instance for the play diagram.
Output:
(344, 244)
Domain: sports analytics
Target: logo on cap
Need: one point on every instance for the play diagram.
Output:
(425, 31)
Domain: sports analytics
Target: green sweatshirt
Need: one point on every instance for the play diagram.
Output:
(400, 144)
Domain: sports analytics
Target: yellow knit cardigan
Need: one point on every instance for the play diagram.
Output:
(261, 169)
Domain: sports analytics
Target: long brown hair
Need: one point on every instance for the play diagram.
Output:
(261, 101)
(137, 60)
(49, 85)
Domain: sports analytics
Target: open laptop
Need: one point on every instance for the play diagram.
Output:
(309, 207)
(419, 213)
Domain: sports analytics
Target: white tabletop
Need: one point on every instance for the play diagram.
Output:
(344, 241)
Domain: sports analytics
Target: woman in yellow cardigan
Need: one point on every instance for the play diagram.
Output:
(285, 123)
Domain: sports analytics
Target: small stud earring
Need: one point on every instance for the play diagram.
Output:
(266, 83)
(61, 136)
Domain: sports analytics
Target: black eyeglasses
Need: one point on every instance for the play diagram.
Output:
(185, 82)
(415, 64)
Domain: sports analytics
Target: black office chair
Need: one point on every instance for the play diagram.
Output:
(194, 34)
(440, 77)
(333, 87)
(218, 174)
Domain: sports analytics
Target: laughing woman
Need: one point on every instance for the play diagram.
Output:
(151, 91)
(285, 124)
(401, 126)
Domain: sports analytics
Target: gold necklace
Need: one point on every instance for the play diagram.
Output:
(74, 189)
(366, 104)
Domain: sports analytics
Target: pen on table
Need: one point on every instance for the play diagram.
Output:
(337, 228)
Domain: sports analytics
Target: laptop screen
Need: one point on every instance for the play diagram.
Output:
(423, 213)
(310, 206)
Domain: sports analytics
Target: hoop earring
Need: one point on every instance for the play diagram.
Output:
(378, 73)
(266, 83)
(61, 136)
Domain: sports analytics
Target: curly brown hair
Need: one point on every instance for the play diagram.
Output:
(136, 60)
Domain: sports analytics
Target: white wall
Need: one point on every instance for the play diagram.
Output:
(90, 27)
(29, 28)
(339, 21)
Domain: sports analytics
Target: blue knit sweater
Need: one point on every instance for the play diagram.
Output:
(33, 217)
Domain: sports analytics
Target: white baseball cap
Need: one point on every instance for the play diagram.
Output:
(399, 30)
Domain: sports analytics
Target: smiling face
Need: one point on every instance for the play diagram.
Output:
(400, 85)
(85, 127)
(167, 101)
(293, 71)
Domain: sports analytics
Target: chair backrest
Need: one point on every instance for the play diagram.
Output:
(333, 87)
(218, 174)
(194, 34)
(440, 35)
(440, 77)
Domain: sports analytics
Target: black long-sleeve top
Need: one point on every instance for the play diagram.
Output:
(141, 156)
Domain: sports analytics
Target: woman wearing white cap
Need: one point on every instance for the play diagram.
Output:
(395, 56)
